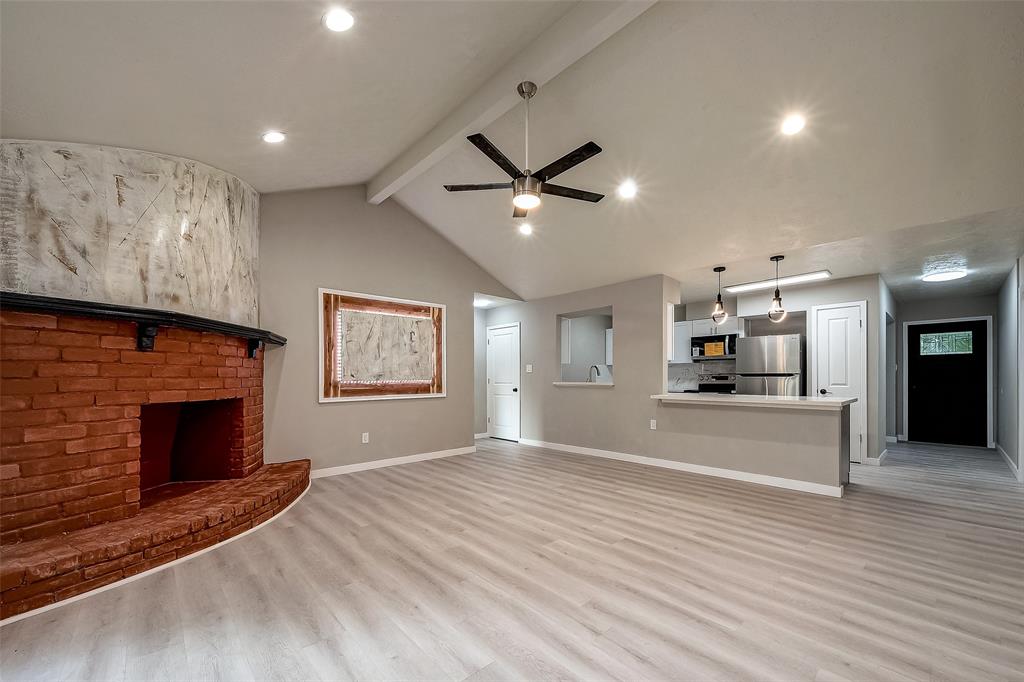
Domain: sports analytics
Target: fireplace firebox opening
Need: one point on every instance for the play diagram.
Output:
(185, 445)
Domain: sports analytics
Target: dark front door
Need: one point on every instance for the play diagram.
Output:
(947, 381)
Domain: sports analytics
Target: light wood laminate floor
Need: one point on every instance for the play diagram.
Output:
(524, 563)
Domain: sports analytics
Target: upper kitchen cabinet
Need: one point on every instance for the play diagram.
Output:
(681, 342)
(704, 327)
(707, 327)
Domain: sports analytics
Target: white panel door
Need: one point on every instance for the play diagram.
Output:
(840, 369)
(503, 382)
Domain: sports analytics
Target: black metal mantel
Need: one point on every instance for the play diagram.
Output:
(148, 319)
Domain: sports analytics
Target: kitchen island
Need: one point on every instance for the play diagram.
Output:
(802, 443)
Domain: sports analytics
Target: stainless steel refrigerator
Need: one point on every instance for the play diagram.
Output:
(770, 365)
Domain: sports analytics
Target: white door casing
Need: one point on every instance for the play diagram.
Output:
(839, 364)
(503, 394)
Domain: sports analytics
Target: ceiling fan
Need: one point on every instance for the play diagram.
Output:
(527, 186)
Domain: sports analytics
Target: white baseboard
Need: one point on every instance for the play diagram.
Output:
(1018, 472)
(901, 438)
(877, 461)
(891, 439)
(155, 569)
(478, 436)
(390, 462)
(774, 481)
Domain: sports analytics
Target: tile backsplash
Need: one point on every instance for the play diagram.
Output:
(682, 377)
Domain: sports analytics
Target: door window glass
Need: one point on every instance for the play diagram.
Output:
(947, 343)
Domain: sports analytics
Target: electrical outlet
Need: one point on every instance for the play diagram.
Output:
(366, 437)
(529, 369)
(654, 425)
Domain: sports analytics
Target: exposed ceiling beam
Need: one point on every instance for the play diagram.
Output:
(576, 33)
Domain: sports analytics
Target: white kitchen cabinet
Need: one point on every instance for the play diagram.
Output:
(681, 342)
(703, 327)
(730, 326)
(707, 327)
(608, 337)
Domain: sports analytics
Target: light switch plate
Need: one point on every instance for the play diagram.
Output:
(366, 437)
(529, 369)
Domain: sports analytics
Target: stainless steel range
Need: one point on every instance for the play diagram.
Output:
(716, 383)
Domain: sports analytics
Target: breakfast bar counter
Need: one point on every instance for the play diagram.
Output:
(801, 443)
(784, 402)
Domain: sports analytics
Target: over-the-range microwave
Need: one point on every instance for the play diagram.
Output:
(722, 347)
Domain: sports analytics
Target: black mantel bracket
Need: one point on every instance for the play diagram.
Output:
(148, 319)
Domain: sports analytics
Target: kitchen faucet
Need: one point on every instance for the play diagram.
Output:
(590, 373)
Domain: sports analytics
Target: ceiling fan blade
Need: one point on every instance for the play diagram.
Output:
(575, 157)
(486, 185)
(570, 193)
(484, 145)
(519, 212)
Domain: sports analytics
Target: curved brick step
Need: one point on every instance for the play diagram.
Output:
(40, 572)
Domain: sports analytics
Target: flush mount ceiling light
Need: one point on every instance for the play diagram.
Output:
(481, 302)
(627, 190)
(527, 185)
(945, 275)
(785, 281)
(526, 229)
(718, 315)
(273, 136)
(338, 20)
(793, 124)
(776, 313)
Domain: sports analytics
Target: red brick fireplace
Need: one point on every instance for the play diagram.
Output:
(116, 459)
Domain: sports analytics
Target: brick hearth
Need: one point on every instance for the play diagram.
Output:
(40, 572)
(71, 397)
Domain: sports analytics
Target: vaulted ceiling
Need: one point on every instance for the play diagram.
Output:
(204, 79)
(914, 147)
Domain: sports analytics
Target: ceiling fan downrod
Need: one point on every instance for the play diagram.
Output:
(526, 90)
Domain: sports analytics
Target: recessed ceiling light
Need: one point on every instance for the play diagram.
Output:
(945, 275)
(481, 302)
(627, 190)
(339, 20)
(526, 229)
(793, 124)
(273, 136)
(782, 281)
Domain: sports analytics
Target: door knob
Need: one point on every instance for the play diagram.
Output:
(515, 390)
(823, 391)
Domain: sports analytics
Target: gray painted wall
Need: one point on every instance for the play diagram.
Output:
(586, 346)
(791, 445)
(1007, 367)
(891, 378)
(613, 418)
(334, 238)
(868, 288)
(479, 371)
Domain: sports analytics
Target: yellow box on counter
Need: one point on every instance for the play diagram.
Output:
(714, 348)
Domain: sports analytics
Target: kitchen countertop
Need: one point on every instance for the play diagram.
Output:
(764, 401)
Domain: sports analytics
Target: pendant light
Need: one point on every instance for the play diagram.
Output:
(776, 313)
(718, 315)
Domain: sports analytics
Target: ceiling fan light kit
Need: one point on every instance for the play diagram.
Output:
(527, 187)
